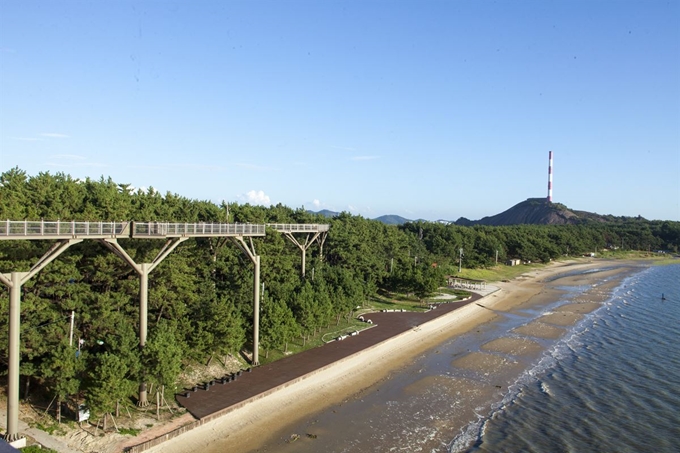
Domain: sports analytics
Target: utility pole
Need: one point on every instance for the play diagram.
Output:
(496, 257)
(460, 260)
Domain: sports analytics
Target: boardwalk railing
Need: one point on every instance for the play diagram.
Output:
(155, 229)
(57, 229)
(299, 227)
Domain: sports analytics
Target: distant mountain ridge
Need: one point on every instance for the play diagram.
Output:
(386, 219)
(532, 211)
(392, 219)
(326, 213)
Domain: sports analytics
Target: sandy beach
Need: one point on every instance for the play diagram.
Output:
(260, 423)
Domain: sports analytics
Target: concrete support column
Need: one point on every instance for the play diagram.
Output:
(143, 322)
(304, 260)
(12, 434)
(256, 310)
(14, 283)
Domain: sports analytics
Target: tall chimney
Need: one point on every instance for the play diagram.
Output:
(550, 163)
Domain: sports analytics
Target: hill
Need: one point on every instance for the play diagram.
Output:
(386, 219)
(392, 219)
(326, 213)
(540, 211)
(532, 211)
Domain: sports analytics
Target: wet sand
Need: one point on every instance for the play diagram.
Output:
(342, 407)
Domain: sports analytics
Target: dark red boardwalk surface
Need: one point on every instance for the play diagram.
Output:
(202, 403)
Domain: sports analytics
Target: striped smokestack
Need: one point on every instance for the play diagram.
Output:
(550, 162)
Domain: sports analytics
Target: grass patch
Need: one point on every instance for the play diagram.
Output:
(129, 431)
(383, 301)
(51, 428)
(296, 345)
(393, 301)
(498, 273)
(655, 258)
(37, 449)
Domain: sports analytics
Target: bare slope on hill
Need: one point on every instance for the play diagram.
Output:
(534, 211)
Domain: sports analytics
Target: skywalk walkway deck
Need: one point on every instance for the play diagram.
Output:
(221, 398)
(50, 230)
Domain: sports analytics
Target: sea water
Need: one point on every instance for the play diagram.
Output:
(612, 384)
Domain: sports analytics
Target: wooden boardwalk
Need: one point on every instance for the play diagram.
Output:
(261, 380)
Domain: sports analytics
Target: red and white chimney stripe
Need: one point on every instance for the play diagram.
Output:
(550, 165)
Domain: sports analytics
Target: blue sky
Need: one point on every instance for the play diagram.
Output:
(424, 109)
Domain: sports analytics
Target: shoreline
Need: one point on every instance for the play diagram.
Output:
(241, 428)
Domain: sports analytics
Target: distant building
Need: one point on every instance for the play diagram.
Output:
(513, 262)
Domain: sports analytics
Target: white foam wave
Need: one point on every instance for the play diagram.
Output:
(545, 389)
(468, 435)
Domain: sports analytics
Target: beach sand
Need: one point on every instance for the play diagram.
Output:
(259, 425)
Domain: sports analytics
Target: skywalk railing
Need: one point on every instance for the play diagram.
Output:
(299, 227)
(57, 229)
(158, 229)
(49, 229)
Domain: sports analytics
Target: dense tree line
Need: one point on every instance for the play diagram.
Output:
(200, 296)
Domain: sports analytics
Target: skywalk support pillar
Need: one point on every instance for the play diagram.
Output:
(143, 269)
(14, 282)
(304, 260)
(143, 322)
(320, 240)
(14, 351)
(250, 251)
(143, 302)
(303, 247)
(256, 310)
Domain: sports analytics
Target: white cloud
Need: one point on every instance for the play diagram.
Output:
(68, 157)
(78, 164)
(183, 166)
(253, 166)
(256, 197)
(27, 139)
(318, 205)
(37, 139)
(53, 135)
(72, 161)
(365, 157)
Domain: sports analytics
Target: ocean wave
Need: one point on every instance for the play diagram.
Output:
(570, 345)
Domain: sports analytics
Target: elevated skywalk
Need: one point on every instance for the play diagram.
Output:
(63, 230)
(68, 233)
(315, 232)
(299, 227)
